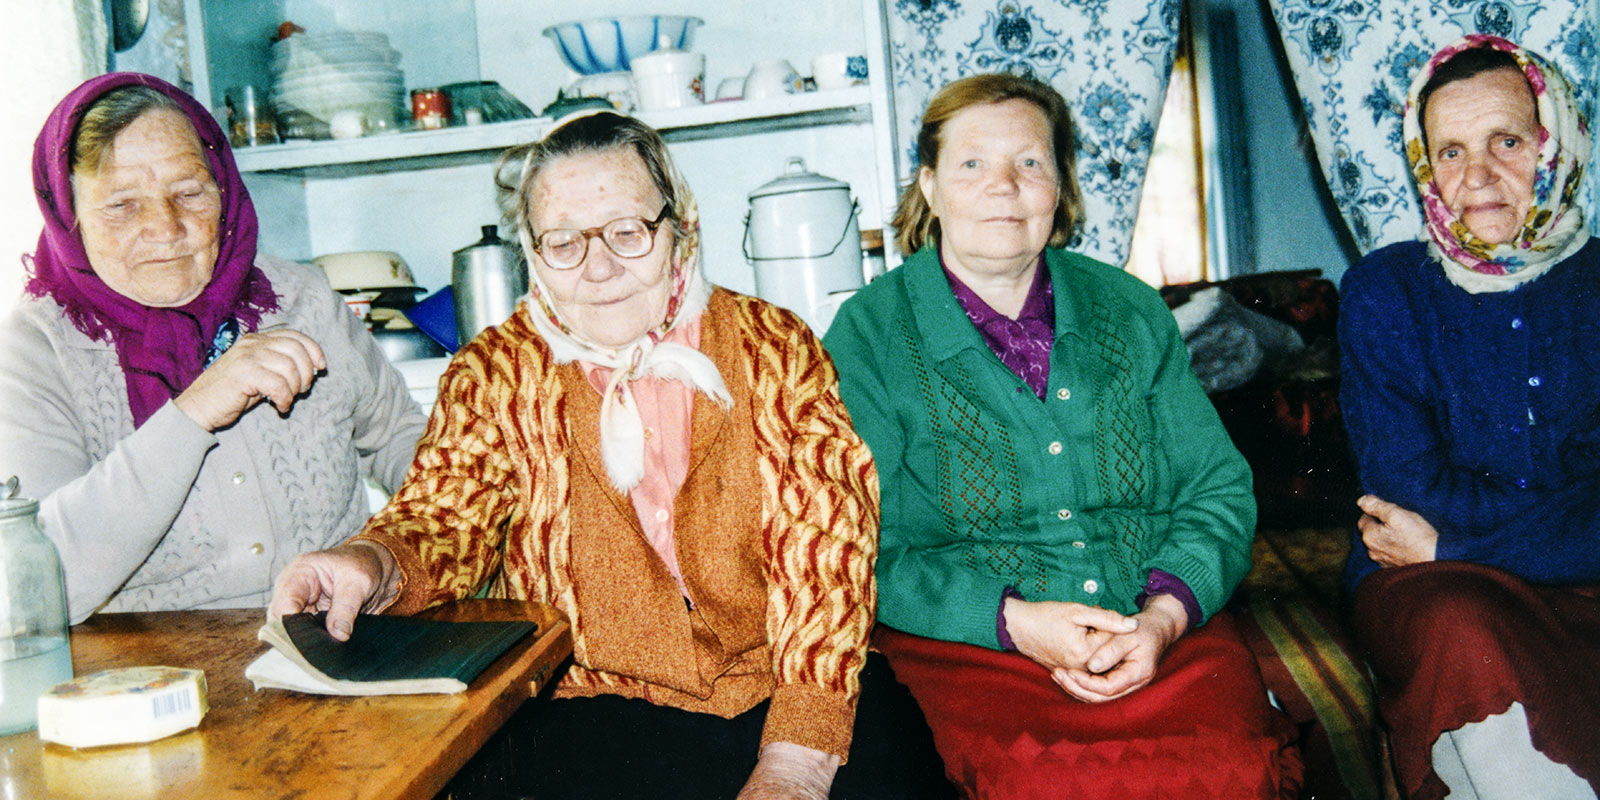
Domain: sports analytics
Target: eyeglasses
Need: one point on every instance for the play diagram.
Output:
(628, 237)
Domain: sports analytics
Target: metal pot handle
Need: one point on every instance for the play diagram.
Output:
(855, 211)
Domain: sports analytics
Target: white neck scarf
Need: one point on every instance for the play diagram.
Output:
(621, 428)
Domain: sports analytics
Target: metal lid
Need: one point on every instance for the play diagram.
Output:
(491, 238)
(796, 178)
(13, 506)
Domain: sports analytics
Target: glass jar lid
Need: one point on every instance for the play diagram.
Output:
(13, 506)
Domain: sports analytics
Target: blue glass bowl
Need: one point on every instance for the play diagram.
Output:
(435, 315)
(595, 46)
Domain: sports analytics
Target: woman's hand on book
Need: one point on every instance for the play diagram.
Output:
(346, 580)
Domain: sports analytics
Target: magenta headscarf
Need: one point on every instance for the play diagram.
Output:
(161, 350)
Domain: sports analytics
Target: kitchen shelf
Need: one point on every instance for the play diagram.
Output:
(423, 193)
(478, 143)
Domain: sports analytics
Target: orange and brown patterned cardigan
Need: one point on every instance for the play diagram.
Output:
(776, 525)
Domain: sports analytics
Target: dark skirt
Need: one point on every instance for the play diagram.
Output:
(1201, 729)
(1453, 643)
(609, 747)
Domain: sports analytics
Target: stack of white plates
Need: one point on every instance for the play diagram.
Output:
(323, 74)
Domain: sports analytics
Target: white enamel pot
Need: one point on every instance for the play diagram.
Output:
(803, 239)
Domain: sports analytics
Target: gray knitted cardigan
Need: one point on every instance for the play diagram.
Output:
(170, 516)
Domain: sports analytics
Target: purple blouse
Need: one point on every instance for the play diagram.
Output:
(1023, 345)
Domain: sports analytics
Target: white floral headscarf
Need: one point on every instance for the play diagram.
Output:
(1554, 229)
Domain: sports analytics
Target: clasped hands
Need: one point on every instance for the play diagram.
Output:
(1095, 654)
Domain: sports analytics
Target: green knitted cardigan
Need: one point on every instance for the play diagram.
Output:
(1122, 468)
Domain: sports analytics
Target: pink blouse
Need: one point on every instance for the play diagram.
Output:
(665, 408)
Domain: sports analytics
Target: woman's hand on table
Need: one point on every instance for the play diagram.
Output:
(789, 771)
(346, 580)
(1060, 635)
(1126, 662)
(1395, 536)
(275, 365)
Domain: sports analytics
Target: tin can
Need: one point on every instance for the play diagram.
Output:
(430, 108)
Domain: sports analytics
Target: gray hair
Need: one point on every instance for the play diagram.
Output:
(600, 132)
(106, 117)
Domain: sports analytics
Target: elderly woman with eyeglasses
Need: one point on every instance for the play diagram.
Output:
(673, 468)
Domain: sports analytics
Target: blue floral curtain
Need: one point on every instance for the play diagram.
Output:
(1109, 58)
(1354, 60)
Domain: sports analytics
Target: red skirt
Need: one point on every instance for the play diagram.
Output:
(1453, 643)
(1201, 729)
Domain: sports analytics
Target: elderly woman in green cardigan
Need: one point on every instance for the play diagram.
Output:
(1063, 514)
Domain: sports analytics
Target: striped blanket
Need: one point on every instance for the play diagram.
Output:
(1317, 676)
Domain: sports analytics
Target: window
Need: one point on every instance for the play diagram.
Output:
(1169, 236)
(62, 44)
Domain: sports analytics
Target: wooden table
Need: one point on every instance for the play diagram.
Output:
(274, 743)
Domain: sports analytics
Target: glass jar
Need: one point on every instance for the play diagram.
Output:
(34, 654)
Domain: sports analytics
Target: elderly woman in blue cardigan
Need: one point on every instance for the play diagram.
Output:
(1063, 514)
(1471, 390)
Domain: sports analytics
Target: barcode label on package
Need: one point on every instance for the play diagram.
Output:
(177, 701)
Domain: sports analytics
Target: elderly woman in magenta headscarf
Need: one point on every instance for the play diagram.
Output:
(672, 467)
(1064, 516)
(132, 377)
(1471, 388)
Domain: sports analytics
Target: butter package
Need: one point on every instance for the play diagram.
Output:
(123, 706)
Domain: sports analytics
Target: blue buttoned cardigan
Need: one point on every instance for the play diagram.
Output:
(1481, 412)
(1122, 468)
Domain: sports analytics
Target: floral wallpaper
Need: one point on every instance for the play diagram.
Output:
(1109, 58)
(1354, 60)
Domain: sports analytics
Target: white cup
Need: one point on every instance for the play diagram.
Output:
(360, 303)
(669, 79)
(730, 89)
(771, 79)
(839, 70)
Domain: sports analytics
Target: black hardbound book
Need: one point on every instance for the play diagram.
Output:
(384, 655)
